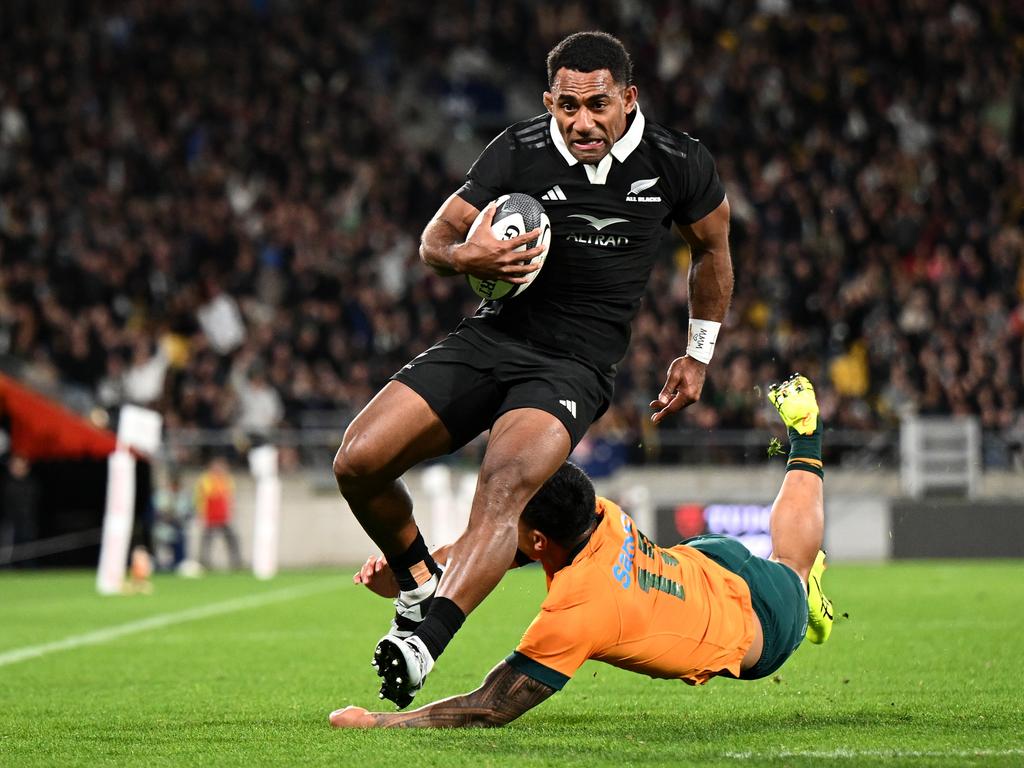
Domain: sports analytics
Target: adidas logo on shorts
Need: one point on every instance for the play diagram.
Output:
(570, 405)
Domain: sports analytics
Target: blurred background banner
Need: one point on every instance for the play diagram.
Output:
(211, 210)
(39, 428)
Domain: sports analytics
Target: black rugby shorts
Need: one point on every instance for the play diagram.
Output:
(476, 374)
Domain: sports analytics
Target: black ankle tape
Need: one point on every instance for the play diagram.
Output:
(443, 620)
(416, 553)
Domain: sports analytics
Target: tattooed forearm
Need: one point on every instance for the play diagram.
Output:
(504, 695)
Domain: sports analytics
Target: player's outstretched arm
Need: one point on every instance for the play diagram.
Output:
(710, 283)
(376, 575)
(710, 278)
(504, 695)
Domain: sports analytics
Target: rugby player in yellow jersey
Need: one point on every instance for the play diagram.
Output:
(706, 607)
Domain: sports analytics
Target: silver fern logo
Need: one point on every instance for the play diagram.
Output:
(642, 185)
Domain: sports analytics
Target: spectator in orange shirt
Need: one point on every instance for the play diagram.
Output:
(215, 501)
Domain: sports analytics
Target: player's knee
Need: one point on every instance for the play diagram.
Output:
(800, 565)
(355, 464)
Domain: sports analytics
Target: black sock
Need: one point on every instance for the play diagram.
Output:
(415, 566)
(439, 627)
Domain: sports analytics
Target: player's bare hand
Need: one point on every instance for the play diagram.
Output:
(352, 717)
(377, 576)
(683, 386)
(486, 257)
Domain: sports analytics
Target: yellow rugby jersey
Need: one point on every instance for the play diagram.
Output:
(666, 613)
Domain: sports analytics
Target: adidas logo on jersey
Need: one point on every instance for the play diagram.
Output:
(555, 193)
(570, 405)
(642, 185)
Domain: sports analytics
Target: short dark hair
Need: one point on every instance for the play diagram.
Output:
(564, 506)
(589, 52)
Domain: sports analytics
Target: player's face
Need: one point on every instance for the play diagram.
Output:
(591, 110)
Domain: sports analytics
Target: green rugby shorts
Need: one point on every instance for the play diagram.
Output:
(776, 592)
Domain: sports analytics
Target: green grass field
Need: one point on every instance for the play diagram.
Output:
(230, 671)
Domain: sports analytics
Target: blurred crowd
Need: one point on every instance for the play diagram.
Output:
(212, 208)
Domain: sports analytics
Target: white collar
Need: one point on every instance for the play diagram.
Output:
(621, 149)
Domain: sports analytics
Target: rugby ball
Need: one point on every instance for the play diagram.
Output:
(516, 214)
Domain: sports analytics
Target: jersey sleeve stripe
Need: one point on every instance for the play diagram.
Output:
(527, 666)
(668, 136)
(530, 133)
(669, 149)
(668, 142)
(536, 125)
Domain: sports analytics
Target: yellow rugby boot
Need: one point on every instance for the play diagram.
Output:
(794, 400)
(819, 607)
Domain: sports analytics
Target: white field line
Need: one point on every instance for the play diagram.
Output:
(164, 620)
(855, 754)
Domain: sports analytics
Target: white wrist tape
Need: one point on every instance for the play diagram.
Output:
(701, 341)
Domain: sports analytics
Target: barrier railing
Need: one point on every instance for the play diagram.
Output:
(843, 447)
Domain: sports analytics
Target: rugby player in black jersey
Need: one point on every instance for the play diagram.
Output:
(537, 369)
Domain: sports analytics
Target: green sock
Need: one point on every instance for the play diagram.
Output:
(805, 451)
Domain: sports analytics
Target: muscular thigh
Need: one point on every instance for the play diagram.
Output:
(526, 446)
(396, 430)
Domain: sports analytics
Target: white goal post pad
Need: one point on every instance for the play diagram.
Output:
(139, 428)
(117, 523)
(263, 463)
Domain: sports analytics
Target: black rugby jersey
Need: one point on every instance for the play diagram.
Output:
(607, 221)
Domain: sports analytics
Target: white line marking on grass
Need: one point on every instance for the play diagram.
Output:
(164, 620)
(855, 754)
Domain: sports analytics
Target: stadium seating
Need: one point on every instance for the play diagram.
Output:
(200, 205)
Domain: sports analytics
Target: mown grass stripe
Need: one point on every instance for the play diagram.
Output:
(107, 634)
(854, 754)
